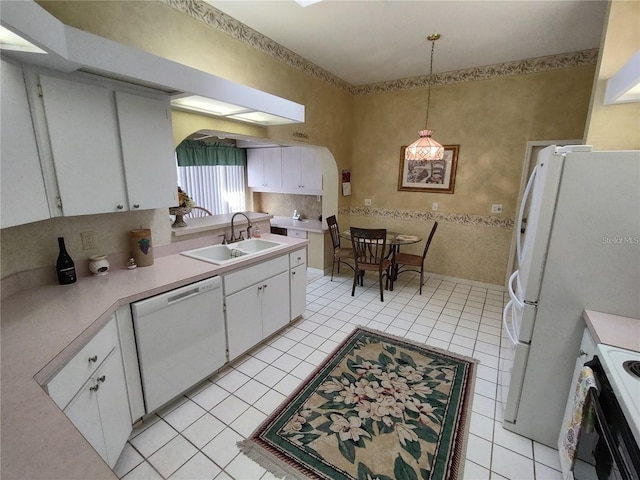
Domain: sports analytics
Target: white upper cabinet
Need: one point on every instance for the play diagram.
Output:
(301, 171)
(111, 150)
(147, 150)
(85, 145)
(284, 170)
(264, 167)
(24, 198)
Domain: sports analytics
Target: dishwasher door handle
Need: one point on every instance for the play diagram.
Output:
(153, 304)
(182, 296)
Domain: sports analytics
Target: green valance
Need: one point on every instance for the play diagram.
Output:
(192, 153)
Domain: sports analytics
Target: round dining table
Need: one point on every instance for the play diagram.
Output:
(394, 240)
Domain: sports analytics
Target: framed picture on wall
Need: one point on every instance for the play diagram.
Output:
(433, 176)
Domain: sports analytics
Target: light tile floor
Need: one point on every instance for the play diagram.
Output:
(195, 437)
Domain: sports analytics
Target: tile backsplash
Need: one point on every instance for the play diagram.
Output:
(283, 205)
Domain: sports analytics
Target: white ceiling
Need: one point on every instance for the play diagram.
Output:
(369, 41)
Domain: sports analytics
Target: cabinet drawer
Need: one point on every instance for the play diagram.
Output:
(74, 374)
(296, 233)
(248, 276)
(298, 258)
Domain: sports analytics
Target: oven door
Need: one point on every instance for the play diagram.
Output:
(609, 450)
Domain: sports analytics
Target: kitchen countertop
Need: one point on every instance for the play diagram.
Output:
(41, 328)
(308, 225)
(614, 330)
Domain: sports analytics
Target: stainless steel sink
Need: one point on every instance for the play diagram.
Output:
(224, 254)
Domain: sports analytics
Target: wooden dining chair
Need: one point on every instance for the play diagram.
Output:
(340, 254)
(369, 245)
(406, 262)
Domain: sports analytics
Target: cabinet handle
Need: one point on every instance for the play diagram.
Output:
(136, 205)
(94, 388)
(120, 207)
(102, 379)
(93, 359)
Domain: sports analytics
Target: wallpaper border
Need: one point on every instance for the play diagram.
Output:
(420, 215)
(219, 20)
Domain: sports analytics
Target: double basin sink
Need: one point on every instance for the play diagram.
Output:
(225, 254)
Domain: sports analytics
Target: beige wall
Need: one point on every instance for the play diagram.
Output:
(615, 127)
(491, 120)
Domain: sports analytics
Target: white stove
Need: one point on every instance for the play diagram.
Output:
(625, 384)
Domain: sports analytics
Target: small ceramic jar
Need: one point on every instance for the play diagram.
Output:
(99, 265)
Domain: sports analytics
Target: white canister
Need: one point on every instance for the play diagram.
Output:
(99, 265)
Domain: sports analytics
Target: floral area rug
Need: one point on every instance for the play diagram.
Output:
(378, 408)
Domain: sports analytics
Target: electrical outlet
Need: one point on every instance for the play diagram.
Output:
(434, 206)
(496, 208)
(367, 202)
(89, 240)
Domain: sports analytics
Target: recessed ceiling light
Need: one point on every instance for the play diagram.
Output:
(12, 41)
(306, 3)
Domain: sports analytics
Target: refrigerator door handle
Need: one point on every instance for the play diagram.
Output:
(509, 306)
(512, 293)
(519, 223)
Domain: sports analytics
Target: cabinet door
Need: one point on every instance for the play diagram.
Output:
(298, 291)
(310, 171)
(275, 304)
(587, 351)
(85, 144)
(84, 414)
(244, 320)
(24, 198)
(255, 167)
(301, 171)
(273, 167)
(113, 405)
(291, 168)
(147, 151)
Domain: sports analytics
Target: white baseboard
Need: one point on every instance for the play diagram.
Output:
(473, 283)
(427, 275)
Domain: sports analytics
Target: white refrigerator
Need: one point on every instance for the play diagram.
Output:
(580, 249)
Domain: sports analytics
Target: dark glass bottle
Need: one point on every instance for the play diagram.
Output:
(64, 266)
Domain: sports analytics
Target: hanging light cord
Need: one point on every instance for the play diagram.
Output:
(433, 45)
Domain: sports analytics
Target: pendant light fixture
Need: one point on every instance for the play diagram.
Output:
(426, 148)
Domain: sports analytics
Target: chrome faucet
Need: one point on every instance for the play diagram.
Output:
(233, 233)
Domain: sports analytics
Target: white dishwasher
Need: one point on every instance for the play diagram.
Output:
(181, 340)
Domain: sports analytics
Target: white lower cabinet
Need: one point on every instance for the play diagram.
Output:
(256, 304)
(298, 282)
(256, 312)
(92, 392)
(100, 410)
(588, 349)
(275, 305)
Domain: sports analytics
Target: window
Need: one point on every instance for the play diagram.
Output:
(218, 188)
(213, 174)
